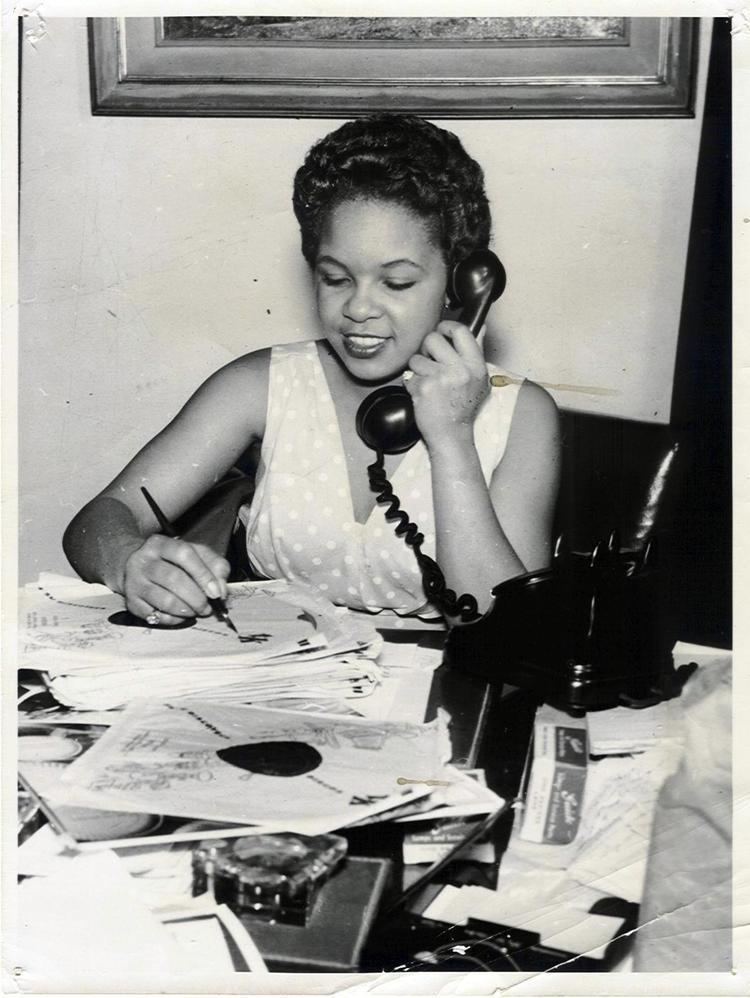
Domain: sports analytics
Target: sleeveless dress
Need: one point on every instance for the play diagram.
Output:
(300, 525)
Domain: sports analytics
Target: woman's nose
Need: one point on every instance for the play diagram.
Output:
(361, 304)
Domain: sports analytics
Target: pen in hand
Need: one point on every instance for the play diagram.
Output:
(217, 604)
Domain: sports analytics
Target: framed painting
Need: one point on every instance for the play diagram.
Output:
(442, 67)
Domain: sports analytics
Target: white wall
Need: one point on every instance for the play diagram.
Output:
(154, 250)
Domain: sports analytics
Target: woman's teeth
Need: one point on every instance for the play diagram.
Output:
(365, 341)
(363, 346)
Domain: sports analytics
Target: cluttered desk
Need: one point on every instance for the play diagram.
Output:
(316, 794)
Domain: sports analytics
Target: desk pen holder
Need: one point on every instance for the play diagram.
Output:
(593, 631)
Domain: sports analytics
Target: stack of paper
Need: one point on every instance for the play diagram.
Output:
(277, 770)
(292, 643)
(312, 662)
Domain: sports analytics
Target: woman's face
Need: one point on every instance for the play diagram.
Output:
(380, 283)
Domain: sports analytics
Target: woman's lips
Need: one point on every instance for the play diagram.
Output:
(363, 345)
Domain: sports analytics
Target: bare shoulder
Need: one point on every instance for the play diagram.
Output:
(536, 402)
(536, 422)
(240, 387)
(250, 370)
(536, 412)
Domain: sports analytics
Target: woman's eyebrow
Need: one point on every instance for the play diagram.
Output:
(331, 260)
(400, 262)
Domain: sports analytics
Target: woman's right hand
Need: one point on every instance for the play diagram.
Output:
(173, 577)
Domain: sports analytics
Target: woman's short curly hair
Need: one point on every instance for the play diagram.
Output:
(399, 158)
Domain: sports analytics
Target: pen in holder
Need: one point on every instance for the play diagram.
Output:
(593, 631)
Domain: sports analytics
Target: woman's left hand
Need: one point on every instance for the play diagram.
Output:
(449, 384)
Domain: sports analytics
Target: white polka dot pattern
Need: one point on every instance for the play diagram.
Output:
(301, 522)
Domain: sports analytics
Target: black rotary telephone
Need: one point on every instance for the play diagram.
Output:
(385, 422)
(591, 632)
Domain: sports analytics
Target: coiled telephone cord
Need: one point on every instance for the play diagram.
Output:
(436, 590)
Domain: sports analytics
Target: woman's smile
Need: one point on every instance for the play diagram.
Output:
(363, 345)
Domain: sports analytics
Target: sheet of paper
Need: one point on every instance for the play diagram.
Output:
(201, 932)
(610, 850)
(278, 768)
(201, 940)
(160, 874)
(402, 695)
(704, 655)
(45, 751)
(405, 683)
(621, 730)
(201, 928)
(588, 935)
(42, 854)
(84, 923)
(560, 927)
(60, 623)
(87, 921)
(464, 797)
(525, 889)
(384, 701)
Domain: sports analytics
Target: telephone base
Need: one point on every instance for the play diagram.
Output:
(580, 639)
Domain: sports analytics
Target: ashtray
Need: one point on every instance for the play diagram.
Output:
(272, 877)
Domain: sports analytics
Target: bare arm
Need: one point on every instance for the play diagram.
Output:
(114, 539)
(485, 534)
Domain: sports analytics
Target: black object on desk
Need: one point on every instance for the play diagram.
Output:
(335, 933)
(592, 632)
(486, 946)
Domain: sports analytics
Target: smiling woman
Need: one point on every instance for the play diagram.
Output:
(387, 206)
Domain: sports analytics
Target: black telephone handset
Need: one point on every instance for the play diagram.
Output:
(385, 419)
(385, 422)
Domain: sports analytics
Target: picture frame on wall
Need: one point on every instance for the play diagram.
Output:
(470, 67)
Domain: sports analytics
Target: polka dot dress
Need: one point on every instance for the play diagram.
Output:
(301, 526)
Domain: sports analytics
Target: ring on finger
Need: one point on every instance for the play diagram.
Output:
(154, 618)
